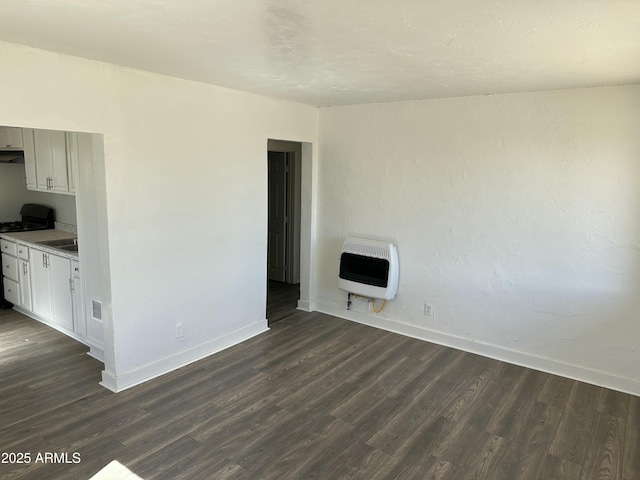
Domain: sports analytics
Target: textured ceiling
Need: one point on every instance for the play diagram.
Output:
(336, 52)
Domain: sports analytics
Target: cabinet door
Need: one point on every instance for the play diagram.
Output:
(4, 137)
(29, 159)
(51, 160)
(60, 281)
(72, 159)
(25, 285)
(79, 322)
(60, 178)
(11, 138)
(44, 162)
(41, 299)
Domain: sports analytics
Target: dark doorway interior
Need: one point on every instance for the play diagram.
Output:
(282, 300)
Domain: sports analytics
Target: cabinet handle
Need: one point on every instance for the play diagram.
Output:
(24, 268)
(71, 285)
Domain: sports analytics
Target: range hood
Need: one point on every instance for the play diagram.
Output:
(11, 157)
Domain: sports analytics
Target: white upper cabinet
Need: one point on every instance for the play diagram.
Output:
(10, 138)
(29, 159)
(51, 160)
(48, 158)
(72, 159)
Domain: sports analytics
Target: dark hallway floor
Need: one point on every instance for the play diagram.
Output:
(282, 300)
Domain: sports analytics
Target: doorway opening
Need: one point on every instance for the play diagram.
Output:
(284, 220)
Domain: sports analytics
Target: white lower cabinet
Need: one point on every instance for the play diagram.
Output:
(61, 301)
(46, 285)
(10, 274)
(25, 285)
(11, 291)
(10, 267)
(51, 288)
(24, 277)
(17, 279)
(40, 289)
(79, 322)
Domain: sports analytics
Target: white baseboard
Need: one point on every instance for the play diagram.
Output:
(122, 381)
(109, 381)
(306, 306)
(51, 324)
(96, 352)
(549, 365)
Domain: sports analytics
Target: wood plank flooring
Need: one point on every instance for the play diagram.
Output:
(315, 397)
(282, 300)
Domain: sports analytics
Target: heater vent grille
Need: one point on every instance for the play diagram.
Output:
(367, 249)
(96, 309)
(369, 268)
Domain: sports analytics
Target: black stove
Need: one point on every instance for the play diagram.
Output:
(20, 227)
(34, 217)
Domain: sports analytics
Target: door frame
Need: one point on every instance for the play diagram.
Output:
(308, 193)
(294, 205)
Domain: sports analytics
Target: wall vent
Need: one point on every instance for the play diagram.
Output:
(369, 268)
(96, 309)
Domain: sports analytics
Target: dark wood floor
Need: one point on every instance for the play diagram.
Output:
(282, 300)
(315, 397)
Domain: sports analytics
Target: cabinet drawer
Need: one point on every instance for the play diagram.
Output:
(8, 247)
(10, 267)
(11, 291)
(23, 252)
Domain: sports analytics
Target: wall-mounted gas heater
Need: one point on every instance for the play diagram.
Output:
(369, 268)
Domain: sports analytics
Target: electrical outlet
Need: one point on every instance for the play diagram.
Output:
(178, 330)
(428, 309)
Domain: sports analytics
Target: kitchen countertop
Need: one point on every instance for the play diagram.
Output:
(36, 236)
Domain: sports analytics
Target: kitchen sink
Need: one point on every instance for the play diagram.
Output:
(65, 242)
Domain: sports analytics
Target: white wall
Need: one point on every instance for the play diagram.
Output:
(64, 205)
(94, 242)
(14, 194)
(186, 191)
(517, 216)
